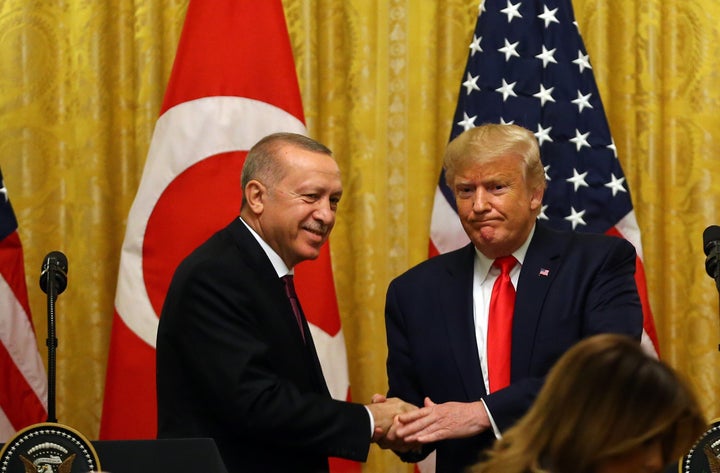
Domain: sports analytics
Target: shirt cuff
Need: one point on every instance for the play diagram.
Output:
(372, 421)
(496, 431)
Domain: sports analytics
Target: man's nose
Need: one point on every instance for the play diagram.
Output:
(325, 211)
(480, 200)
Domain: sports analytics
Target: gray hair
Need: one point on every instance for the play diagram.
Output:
(263, 164)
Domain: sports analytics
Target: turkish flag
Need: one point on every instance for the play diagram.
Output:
(233, 82)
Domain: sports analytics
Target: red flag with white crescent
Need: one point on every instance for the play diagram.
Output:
(233, 82)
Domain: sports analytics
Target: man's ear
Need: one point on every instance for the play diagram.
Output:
(537, 197)
(255, 195)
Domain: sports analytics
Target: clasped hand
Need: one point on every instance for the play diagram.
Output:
(413, 427)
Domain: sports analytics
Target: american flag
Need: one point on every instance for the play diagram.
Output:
(527, 65)
(23, 385)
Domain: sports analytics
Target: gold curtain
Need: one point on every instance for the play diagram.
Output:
(80, 89)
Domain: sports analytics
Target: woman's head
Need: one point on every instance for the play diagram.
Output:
(606, 397)
(603, 403)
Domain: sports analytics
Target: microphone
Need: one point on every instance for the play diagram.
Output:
(55, 268)
(711, 245)
(53, 281)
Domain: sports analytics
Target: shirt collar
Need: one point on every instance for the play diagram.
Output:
(278, 264)
(483, 263)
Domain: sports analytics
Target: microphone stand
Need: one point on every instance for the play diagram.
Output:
(711, 247)
(712, 267)
(716, 277)
(52, 344)
(717, 286)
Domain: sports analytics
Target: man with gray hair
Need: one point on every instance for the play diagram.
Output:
(235, 357)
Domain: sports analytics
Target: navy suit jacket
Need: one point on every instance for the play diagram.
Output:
(571, 286)
(231, 365)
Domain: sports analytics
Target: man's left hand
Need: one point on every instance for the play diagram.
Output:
(448, 420)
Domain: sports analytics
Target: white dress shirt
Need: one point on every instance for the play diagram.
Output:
(282, 270)
(484, 276)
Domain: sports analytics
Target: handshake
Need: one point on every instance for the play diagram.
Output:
(387, 414)
(403, 427)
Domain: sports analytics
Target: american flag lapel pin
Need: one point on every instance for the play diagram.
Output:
(544, 272)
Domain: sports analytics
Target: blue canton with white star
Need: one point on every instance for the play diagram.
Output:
(527, 65)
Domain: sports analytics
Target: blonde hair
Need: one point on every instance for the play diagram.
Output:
(603, 398)
(490, 141)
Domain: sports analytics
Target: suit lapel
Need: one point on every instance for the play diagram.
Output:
(277, 298)
(538, 271)
(314, 360)
(263, 270)
(458, 307)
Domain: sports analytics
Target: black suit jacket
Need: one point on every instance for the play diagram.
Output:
(571, 286)
(231, 365)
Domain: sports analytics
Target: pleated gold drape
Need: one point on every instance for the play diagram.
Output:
(80, 89)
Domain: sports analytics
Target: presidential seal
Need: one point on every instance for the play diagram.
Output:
(48, 448)
(704, 456)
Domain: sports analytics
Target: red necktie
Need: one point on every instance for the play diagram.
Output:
(292, 295)
(499, 336)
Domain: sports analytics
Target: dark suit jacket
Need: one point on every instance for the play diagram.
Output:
(231, 365)
(589, 288)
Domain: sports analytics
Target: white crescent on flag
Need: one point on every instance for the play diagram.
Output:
(173, 150)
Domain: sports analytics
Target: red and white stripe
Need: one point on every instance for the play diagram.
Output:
(23, 382)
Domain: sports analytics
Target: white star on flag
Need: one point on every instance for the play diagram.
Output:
(471, 83)
(548, 16)
(512, 10)
(616, 184)
(547, 56)
(545, 95)
(582, 61)
(510, 50)
(582, 101)
(578, 180)
(507, 90)
(575, 217)
(475, 45)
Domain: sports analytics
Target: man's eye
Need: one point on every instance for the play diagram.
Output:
(310, 197)
(464, 192)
